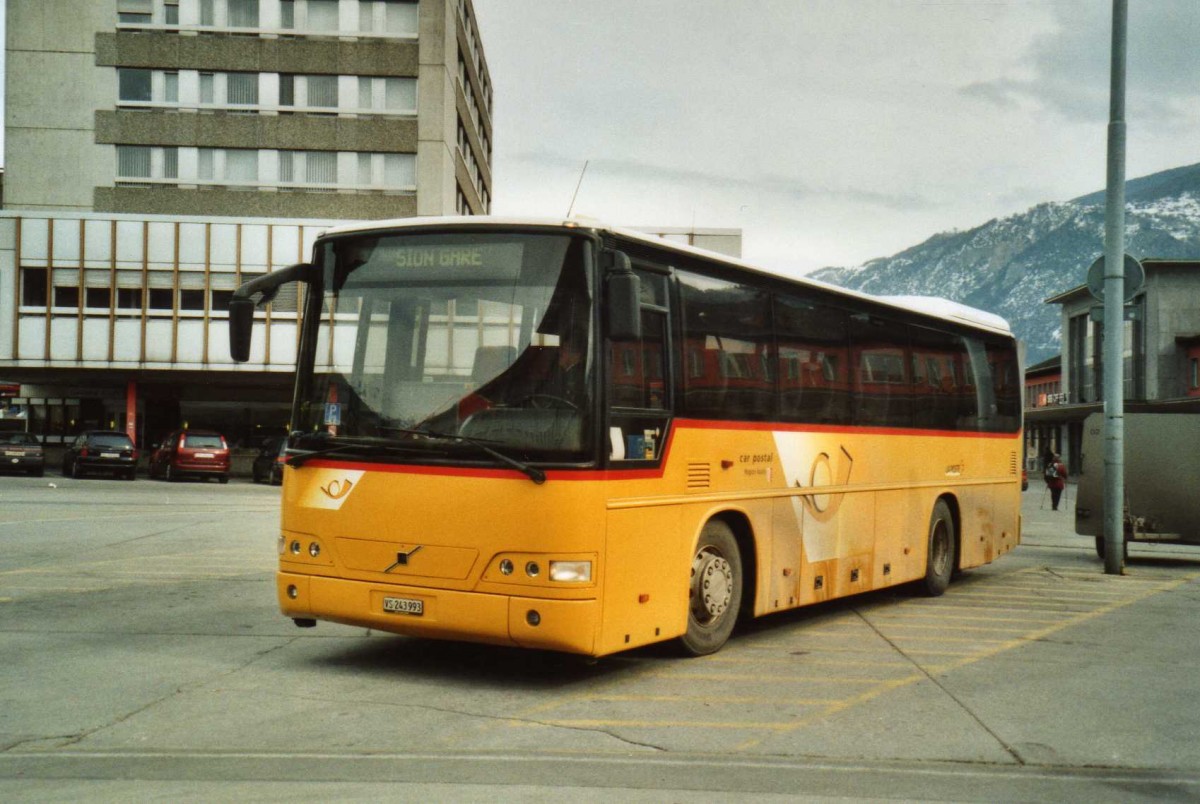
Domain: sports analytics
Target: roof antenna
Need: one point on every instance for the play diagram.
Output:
(578, 184)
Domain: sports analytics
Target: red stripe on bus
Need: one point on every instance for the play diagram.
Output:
(639, 473)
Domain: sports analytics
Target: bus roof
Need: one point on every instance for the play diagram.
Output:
(928, 305)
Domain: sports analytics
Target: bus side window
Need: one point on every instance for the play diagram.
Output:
(638, 379)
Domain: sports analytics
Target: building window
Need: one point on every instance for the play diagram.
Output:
(387, 171)
(191, 299)
(66, 296)
(133, 161)
(129, 298)
(133, 85)
(208, 93)
(208, 15)
(170, 163)
(241, 165)
(33, 287)
(308, 91)
(171, 87)
(147, 162)
(97, 298)
(134, 12)
(287, 90)
(387, 95)
(220, 301)
(322, 15)
(162, 299)
(287, 14)
(241, 89)
(322, 91)
(231, 165)
(308, 167)
(171, 12)
(243, 13)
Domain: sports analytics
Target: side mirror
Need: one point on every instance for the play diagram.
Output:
(624, 300)
(241, 306)
(241, 324)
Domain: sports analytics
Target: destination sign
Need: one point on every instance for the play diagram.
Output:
(442, 262)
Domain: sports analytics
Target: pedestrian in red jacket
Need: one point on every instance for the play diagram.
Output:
(1055, 475)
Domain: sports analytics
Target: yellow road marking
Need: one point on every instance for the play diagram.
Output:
(1017, 642)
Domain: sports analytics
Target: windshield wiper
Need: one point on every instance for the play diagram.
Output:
(532, 472)
(367, 444)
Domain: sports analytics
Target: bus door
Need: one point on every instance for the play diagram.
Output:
(646, 573)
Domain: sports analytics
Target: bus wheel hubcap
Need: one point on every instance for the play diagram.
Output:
(712, 586)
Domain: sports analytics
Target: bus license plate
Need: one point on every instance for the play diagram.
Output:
(404, 605)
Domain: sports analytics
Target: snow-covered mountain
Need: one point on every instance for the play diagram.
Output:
(1010, 266)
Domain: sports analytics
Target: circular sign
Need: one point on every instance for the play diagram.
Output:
(1135, 277)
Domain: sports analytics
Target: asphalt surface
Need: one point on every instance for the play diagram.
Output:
(144, 659)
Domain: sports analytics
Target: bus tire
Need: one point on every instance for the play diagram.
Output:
(939, 560)
(714, 590)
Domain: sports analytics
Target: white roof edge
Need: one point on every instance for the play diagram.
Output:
(944, 308)
(929, 305)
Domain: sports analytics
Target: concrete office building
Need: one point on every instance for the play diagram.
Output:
(159, 152)
(339, 109)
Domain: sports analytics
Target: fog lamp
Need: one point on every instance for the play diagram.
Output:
(293, 592)
(314, 549)
(296, 548)
(532, 569)
(506, 567)
(533, 618)
(571, 571)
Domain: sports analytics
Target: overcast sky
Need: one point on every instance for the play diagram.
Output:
(830, 131)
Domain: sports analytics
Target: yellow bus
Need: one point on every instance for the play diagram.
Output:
(565, 436)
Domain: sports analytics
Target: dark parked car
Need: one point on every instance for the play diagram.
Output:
(268, 463)
(22, 452)
(101, 451)
(191, 453)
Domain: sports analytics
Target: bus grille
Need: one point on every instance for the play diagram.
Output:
(699, 476)
(1012, 464)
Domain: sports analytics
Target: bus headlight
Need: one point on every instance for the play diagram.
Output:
(571, 571)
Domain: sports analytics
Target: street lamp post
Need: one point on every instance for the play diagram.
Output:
(1114, 300)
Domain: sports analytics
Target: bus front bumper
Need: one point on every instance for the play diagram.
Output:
(570, 626)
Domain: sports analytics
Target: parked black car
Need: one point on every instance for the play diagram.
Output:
(22, 452)
(268, 463)
(101, 451)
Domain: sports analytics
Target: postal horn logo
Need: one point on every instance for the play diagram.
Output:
(337, 489)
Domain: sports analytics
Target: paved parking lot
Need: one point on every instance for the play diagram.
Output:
(142, 642)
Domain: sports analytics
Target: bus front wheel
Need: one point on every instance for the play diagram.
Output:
(714, 592)
(939, 562)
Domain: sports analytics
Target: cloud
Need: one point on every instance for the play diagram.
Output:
(632, 172)
(1070, 65)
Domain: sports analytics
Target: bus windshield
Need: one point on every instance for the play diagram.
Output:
(449, 347)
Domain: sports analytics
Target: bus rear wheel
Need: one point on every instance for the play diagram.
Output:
(939, 562)
(714, 592)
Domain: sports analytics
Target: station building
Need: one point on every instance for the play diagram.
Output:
(160, 152)
(1160, 366)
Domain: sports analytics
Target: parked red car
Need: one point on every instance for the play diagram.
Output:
(191, 453)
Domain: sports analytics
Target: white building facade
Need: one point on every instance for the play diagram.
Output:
(160, 152)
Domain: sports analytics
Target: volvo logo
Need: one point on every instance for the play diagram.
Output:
(402, 558)
(337, 489)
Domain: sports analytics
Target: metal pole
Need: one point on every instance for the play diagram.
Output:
(1114, 303)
